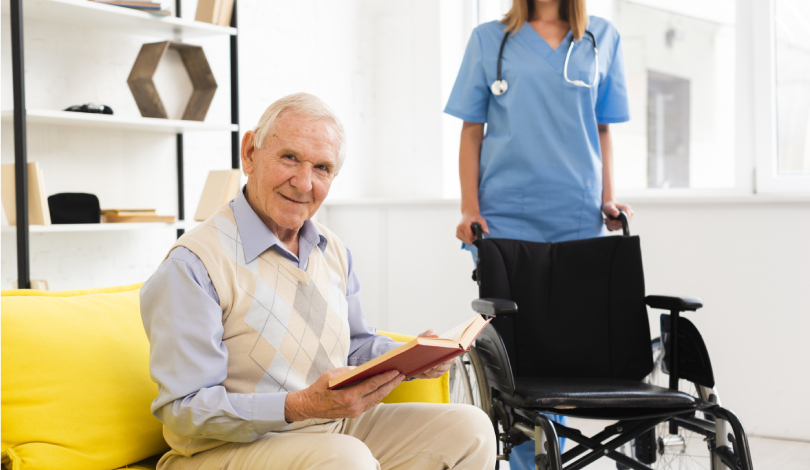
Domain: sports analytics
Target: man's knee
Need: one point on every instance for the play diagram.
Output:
(339, 451)
(475, 424)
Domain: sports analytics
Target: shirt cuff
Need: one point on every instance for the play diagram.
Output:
(268, 411)
(611, 120)
(465, 116)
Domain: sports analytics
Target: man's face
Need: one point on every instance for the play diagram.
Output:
(290, 177)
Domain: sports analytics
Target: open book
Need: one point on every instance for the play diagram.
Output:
(418, 355)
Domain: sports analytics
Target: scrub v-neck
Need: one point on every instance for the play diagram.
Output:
(555, 57)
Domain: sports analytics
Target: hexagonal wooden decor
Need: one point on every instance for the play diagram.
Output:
(143, 87)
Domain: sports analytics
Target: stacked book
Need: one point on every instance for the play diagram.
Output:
(133, 215)
(145, 5)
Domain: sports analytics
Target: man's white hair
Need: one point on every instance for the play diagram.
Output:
(308, 106)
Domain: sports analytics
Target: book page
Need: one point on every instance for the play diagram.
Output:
(457, 332)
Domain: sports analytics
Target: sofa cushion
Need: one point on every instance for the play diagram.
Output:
(423, 391)
(76, 389)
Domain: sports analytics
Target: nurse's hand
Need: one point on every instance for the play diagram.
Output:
(464, 232)
(611, 209)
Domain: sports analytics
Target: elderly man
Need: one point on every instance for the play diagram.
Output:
(255, 310)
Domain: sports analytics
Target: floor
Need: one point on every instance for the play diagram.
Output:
(766, 453)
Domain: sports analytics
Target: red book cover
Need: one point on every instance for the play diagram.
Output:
(418, 355)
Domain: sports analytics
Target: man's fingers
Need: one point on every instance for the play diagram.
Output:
(385, 389)
(372, 384)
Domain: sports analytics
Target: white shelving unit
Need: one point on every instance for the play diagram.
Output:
(119, 227)
(84, 13)
(165, 126)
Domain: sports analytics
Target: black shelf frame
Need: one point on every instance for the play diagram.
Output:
(20, 137)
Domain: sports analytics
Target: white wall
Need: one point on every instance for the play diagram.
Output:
(748, 261)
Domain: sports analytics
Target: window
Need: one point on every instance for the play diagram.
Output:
(680, 68)
(781, 58)
(792, 21)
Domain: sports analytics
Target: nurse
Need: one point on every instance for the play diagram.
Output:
(542, 169)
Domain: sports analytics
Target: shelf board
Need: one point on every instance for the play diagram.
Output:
(167, 126)
(83, 13)
(119, 227)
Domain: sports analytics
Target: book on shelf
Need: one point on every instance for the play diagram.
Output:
(220, 187)
(136, 212)
(38, 212)
(418, 355)
(215, 11)
(116, 219)
(150, 7)
(131, 3)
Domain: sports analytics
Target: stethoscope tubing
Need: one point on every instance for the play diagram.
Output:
(500, 86)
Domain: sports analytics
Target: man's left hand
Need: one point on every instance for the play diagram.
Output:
(437, 370)
(611, 209)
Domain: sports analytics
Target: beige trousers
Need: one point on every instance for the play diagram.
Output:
(399, 436)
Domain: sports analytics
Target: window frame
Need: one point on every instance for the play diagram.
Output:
(763, 51)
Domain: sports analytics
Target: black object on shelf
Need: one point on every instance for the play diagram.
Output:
(90, 108)
(74, 208)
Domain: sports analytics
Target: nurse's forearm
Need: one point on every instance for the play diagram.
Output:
(606, 144)
(469, 156)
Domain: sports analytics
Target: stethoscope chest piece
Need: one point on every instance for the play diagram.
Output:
(499, 87)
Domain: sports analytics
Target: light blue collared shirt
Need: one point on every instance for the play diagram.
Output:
(187, 359)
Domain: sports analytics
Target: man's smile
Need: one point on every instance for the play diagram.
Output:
(291, 200)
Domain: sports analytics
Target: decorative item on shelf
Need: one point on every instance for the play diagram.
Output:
(36, 284)
(38, 213)
(90, 108)
(144, 5)
(141, 81)
(114, 216)
(215, 11)
(74, 208)
(220, 187)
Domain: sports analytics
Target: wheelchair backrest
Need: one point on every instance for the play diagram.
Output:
(581, 310)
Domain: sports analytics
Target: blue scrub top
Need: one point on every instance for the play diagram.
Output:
(541, 166)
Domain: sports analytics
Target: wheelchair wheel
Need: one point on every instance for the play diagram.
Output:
(686, 450)
(468, 382)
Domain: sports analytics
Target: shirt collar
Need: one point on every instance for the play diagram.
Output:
(257, 237)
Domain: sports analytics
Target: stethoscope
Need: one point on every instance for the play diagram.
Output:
(499, 86)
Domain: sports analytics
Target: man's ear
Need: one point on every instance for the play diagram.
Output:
(248, 151)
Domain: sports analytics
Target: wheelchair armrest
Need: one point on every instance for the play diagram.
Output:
(492, 307)
(679, 304)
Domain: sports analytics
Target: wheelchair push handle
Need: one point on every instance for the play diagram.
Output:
(625, 222)
(477, 230)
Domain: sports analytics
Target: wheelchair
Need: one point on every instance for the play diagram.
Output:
(580, 346)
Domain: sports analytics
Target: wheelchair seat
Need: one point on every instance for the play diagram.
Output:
(533, 392)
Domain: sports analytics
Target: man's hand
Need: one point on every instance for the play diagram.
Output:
(437, 370)
(611, 209)
(316, 401)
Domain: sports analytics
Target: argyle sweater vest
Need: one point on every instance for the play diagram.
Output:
(283, 327)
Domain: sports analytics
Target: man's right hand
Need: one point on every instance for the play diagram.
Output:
(316, 401)
(464, 232)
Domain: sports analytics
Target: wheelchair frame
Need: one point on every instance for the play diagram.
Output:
(490, 363)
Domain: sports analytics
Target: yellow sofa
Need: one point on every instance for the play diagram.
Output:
(75, 382)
